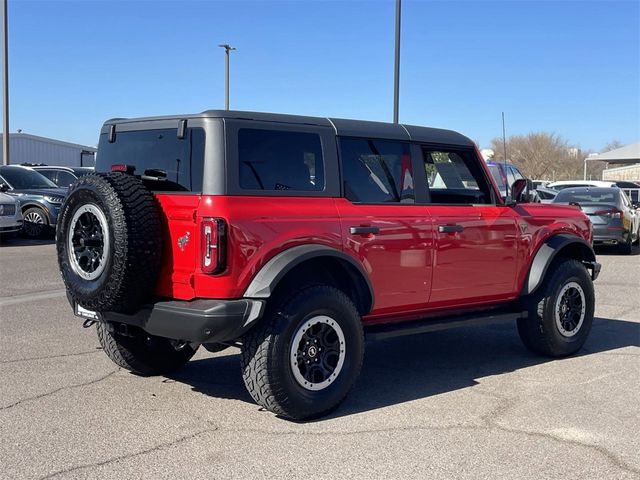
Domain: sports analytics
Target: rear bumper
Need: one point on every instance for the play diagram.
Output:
(199, 321)
(604, 235)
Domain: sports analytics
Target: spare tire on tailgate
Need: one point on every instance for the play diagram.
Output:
(109, 242)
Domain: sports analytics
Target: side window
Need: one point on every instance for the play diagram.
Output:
(376, 171)
(455, 177)
(50, 174)
(280, 160)
(511, 177)
(65, 179)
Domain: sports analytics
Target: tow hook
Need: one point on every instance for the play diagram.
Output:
(88, 323)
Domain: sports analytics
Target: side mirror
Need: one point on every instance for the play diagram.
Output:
(4, 187)
(518, 188)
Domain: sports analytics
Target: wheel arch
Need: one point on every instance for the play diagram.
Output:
(555, 247)
(311, 262)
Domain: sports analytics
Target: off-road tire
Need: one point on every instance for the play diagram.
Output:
(134, 248)
(539, 331)
(43, 229)
(141, 353)
(265, 361)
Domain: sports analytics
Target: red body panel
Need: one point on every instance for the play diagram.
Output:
(414, 268)
(479, 264)
(398, 260)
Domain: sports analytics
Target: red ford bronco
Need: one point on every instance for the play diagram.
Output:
(295, 237)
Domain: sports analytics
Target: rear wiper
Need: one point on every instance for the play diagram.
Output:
(154, 174)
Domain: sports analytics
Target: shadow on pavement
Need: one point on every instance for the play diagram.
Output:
(612, 250)
(18, 241)
(405, 369)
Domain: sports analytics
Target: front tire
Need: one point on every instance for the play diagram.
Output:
(560, 312)
(141, 353)
(627, 247)
(304, 356)
(35, 223)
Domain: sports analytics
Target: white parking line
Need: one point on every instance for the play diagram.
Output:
(30, 297)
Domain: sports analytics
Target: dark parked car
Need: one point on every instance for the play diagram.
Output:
(39, 197)
(505, 174)
(632, 189)
(615, 220)
(63, 176)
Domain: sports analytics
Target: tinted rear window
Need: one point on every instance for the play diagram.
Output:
(161, 159)
(280, 160)
(565, 196)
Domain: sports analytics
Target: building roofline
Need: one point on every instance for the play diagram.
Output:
(51, 140)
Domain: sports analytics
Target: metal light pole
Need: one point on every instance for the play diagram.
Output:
(5, 85)
(227, 49)
(396, 70)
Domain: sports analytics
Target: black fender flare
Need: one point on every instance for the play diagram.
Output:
(268, 277)
(581, 249)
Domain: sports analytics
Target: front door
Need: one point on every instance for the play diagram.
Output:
(476, 241)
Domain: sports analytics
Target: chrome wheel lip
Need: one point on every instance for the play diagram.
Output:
(293, 354)
(559, 312)
(73, 260)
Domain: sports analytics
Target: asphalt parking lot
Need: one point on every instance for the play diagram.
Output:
(468, 403)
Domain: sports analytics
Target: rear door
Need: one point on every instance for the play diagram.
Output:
(382, 226)
(476, 241)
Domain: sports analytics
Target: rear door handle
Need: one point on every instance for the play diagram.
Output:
(364, 230)
(450, 228)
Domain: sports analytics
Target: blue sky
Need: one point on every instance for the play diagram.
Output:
(567, 67)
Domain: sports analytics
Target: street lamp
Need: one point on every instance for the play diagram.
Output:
(5, 85)
(396, 69)
(227, 49)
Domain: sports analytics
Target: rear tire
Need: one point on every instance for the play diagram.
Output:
(560, 312)
(143, 354)
(303, 357)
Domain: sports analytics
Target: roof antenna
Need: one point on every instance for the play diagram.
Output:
(504, 148)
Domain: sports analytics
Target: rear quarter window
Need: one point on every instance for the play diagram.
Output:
(278, 160)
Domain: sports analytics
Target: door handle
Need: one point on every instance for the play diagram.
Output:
(450, 228)
(364, 230)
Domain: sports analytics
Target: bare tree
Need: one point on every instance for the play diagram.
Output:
(542, 155)
(612, 145)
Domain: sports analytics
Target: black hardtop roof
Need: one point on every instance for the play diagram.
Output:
(343, 127)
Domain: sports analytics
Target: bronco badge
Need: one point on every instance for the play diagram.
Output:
(182, 241)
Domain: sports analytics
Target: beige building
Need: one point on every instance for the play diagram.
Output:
(628, 172)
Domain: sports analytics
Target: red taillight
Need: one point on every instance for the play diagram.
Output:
(213, 233)
(121, 167)
(610, 213)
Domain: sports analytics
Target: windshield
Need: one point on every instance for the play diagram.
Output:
(566, 196)
(25, 179)
(497, 176)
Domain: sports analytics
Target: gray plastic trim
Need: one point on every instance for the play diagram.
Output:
(547, 253)
(275, 269)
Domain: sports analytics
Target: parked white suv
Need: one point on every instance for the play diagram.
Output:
(561, 185)
(10, 214)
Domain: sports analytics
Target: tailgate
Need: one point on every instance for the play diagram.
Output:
(180, 245)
